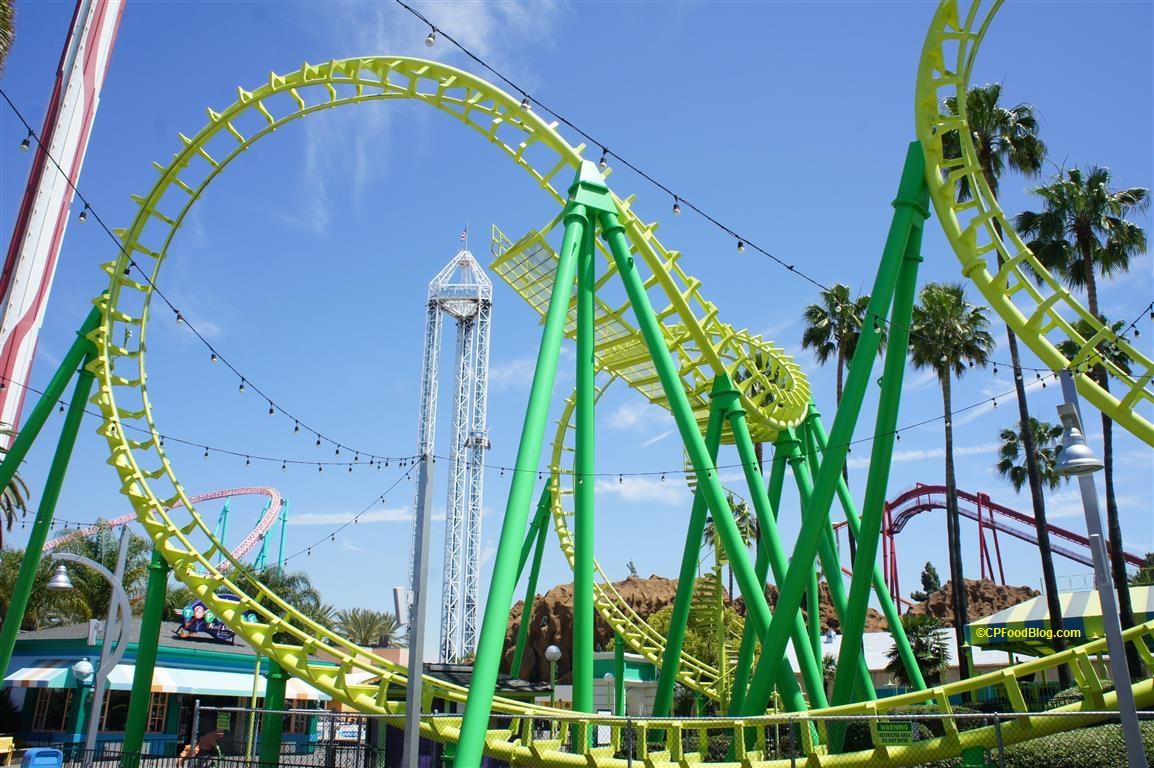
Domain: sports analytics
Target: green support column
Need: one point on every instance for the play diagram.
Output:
(619, 676)
(817, 437)
(73, 358)
(488, 656)
(757, 608)
(830, 562)
(809, 666)
(34, 550)
(146, 645)
(873, 506)
(907, 208)
(272, 724)
(721, 396)
(743, 669)
(583, 466)
(537, 536)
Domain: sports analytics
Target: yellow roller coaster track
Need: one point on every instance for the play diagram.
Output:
(1035, 305)
(774, 394)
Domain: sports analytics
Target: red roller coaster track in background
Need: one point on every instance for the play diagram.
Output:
(263, 526)
(989, 515)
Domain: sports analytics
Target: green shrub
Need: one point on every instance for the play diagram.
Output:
(1064, 698)
(1099, 746)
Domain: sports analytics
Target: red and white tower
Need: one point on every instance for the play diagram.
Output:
(30, 263)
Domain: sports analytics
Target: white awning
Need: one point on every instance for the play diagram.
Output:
(42, 673)
(208, 683)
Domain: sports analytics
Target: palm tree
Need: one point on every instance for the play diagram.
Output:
(930, 650)
(1007, 139)
(948, 335)
(364, 626)
(7, 29)
(1083, 231)
(14, 496)
(746, 526)
(833, 327)
(1046, 440)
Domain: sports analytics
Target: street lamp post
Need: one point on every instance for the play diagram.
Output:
(552, 655)
(1077, 460)
(109, 656)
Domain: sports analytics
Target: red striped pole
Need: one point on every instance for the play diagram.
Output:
(30, 264)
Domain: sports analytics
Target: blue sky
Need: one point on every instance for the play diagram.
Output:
(306, 263)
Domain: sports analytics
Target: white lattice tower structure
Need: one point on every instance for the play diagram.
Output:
(462, 291)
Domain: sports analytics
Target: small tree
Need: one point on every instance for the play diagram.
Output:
(931, 652)
(1145, 575)
(931, 583)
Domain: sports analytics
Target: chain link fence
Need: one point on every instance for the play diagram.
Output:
(903, 738)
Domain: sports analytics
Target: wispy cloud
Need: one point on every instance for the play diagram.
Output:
(649, 490)
(635, 414)
(390, 515)
(349, 546)
(657, 438)
(511, 374)
(920, 454)
(349, 147)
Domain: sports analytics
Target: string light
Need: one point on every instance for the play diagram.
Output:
(296, 427)
(676, 207)
(241, 388)
(27, 143)
(525, 102)
(83, 217)
(604, 161)
(179, 317)
(212, 358)
(206, 452)
(431, 39)
(741, 246)
(271, 409)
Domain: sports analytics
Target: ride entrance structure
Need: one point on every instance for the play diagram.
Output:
(636, 316)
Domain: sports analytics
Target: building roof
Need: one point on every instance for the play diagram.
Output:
(462, 675)
(168, 638)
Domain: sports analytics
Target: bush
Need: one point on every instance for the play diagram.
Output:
(1064, 698)
(1099, 746)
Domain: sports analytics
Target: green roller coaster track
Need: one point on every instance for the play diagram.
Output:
(679, 355)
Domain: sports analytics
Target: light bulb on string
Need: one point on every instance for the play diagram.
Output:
(213, 358)
(604, 161)
(740, 246)
(296, 427)
(240, 389)
(179, 317)
(83, 217)
(26, 144)
(525, 102)
(338, 453)
(318, 441)
(676, 207)
(431, 38)
(320, 468)
(206, 453)
(271, 409)
(247, 461)
(283, 466)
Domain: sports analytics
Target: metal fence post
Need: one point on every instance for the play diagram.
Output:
(194, 736)
(331, 745)
(629, 742)
(1001, 745)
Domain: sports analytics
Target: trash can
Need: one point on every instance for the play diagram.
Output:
(42, 758)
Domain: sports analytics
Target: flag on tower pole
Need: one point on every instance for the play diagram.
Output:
(30, 263)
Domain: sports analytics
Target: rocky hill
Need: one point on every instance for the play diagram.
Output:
(984, 597)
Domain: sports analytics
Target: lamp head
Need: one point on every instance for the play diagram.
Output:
(552, 653)
(83, 671)
(1075, 458)
(60, 580)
